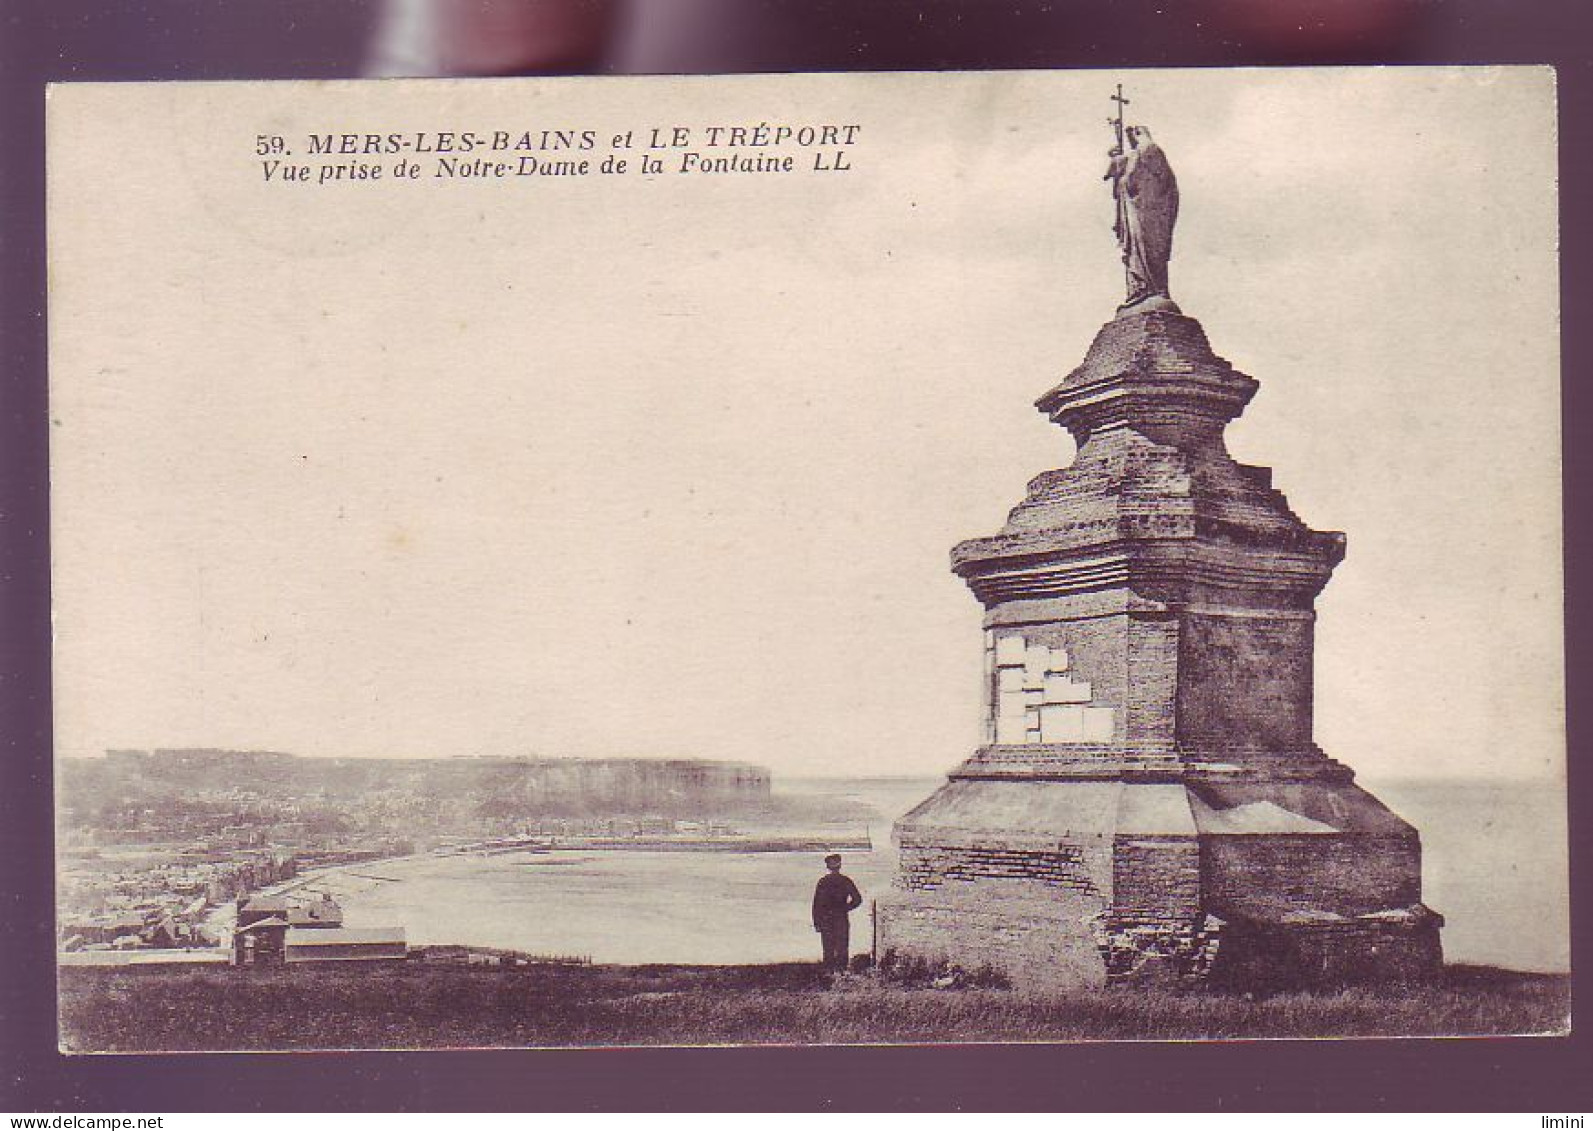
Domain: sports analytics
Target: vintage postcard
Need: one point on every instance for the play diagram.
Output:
(501, 577)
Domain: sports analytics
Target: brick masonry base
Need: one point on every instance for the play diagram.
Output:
(1029, 932)
(1038, 940)
(1401, 946)
(1059, 885)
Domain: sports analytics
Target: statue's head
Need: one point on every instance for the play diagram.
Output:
(1138, 135)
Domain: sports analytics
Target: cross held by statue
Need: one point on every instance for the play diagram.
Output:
(1116, 122)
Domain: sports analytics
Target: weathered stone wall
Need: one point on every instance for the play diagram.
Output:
(1156, 878)
(1151, 695)
(1037, 934)
(1075, 682)
(925, 867)
(1099, 652)
(1262, 910)
(1303, 874)
(1246, 681)
(1395, 946)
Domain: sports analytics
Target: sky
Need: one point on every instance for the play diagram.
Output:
(670, 466)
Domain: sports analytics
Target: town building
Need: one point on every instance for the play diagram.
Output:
(274, 929)
(345, 944)
(261, 942)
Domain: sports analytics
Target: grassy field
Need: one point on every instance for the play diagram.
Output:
(421, 1005)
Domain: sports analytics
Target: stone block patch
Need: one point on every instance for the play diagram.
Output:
(1033, 698)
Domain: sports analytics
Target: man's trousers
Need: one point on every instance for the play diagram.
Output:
(837, 936)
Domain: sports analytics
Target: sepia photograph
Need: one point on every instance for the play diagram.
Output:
(807, 559)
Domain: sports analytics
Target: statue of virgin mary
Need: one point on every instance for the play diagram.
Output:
(1147, 208)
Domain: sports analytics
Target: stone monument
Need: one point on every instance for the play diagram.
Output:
(1148, 802)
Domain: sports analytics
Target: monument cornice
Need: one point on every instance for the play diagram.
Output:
(1028, 567)
(1192, 763)
(1154, 368)
(1133, 399)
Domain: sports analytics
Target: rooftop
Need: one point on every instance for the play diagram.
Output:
(342, 936)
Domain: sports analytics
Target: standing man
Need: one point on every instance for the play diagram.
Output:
(833, 900)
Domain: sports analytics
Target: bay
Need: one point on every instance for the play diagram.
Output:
(1494, 865)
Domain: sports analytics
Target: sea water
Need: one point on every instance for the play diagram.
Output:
(1494, 866)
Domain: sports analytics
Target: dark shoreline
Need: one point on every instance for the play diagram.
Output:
(675, 844)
